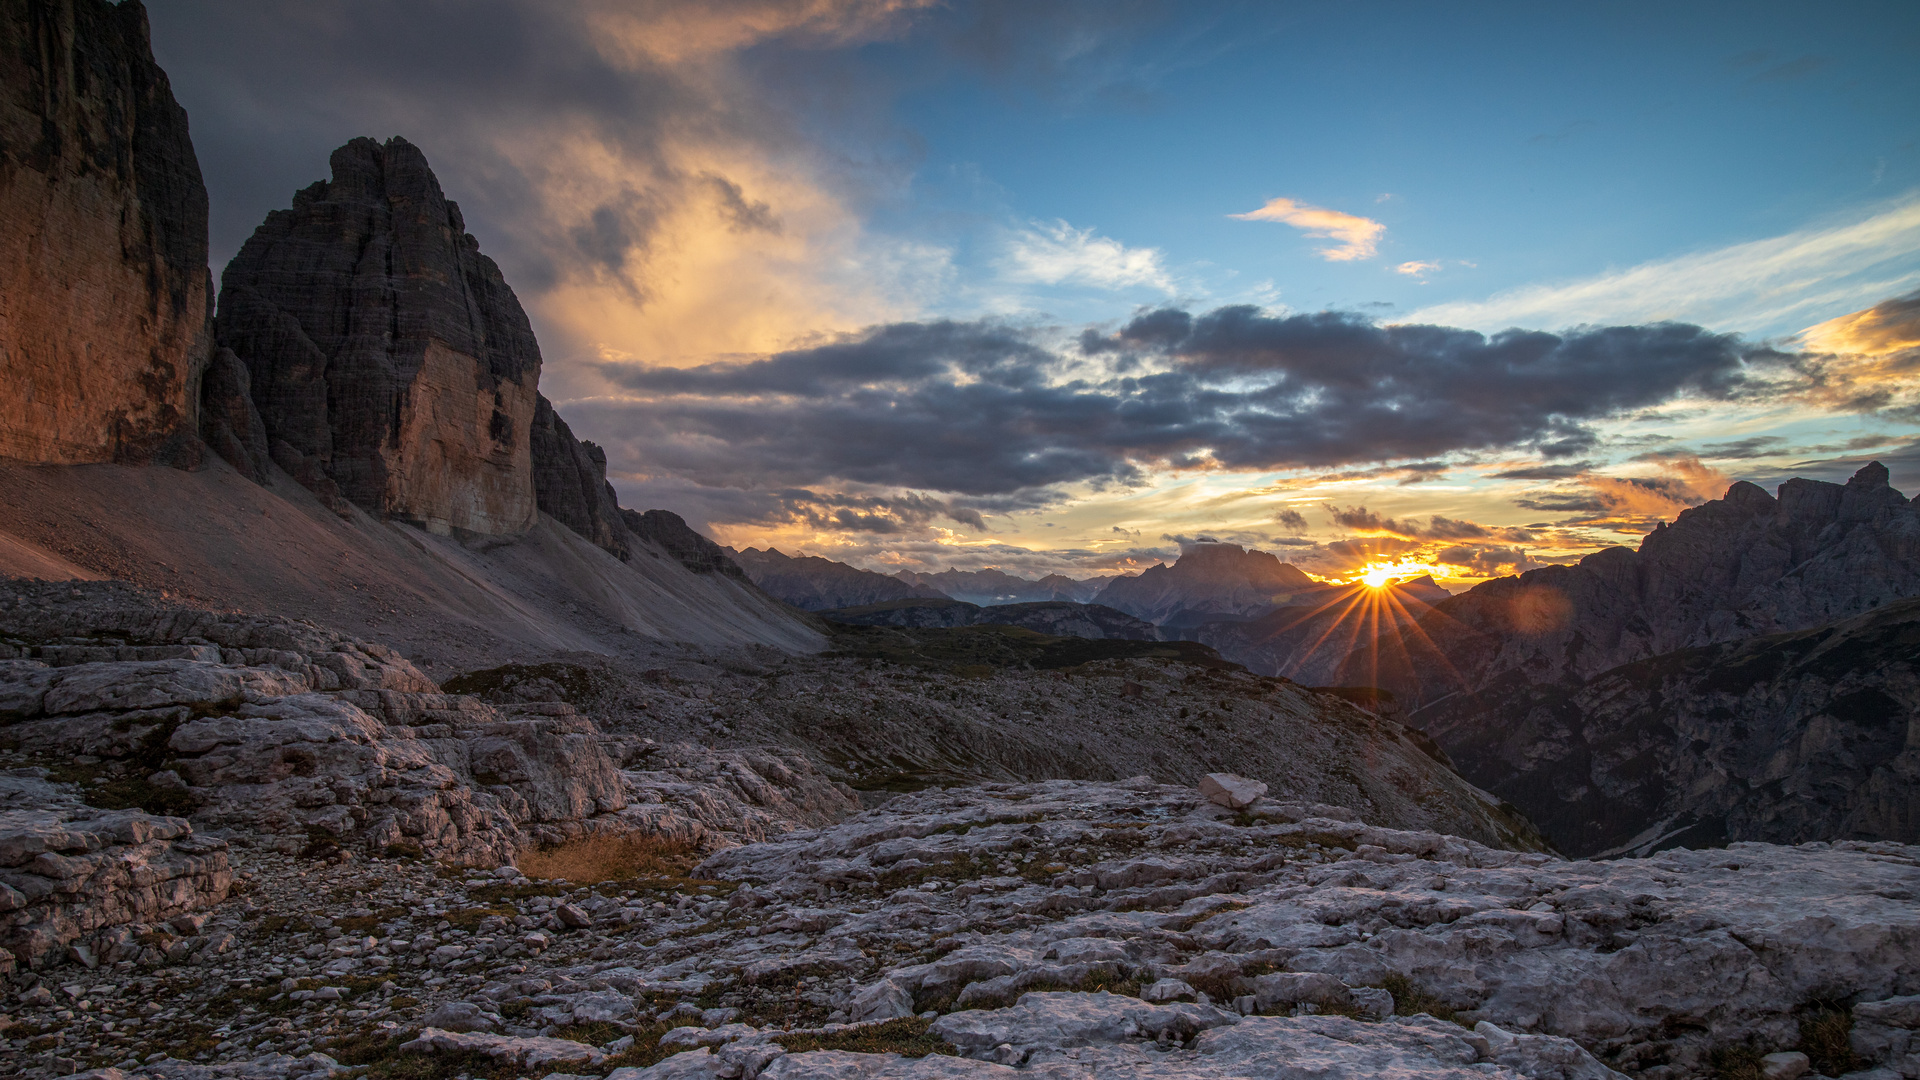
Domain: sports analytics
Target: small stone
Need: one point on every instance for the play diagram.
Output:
(884, 1000)
(1166, 990)
(573, 916)
(459, 1016)
(1789, 1065)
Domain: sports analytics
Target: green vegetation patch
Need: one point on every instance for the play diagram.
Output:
(979, 650)
(1412, 1000)
(577, 684)
(907, 1037)
(131, 790)
(1826, 1037)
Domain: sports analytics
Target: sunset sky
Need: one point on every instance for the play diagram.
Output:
(1057, 287)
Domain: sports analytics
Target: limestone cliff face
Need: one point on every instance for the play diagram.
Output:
(570, 483)
(391, 364)
(671, 533)
(103, 241)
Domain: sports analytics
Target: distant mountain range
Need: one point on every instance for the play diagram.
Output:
(1745, 674)
(811, 583)
(1254, 609)
(989, 587)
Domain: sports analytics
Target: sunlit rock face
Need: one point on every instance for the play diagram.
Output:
(392, 365)
(103, 241)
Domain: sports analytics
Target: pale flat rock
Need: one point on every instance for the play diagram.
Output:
(1230, 791)
(1066, 1019)
(529, 1052)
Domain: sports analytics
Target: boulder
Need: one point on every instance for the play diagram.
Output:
(72, 876)
(1230, 791)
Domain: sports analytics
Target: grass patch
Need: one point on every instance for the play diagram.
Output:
(907, 1037)
(596, 1033)
(1826, 1038)
(1113, 981)
(646, 1050)
(1221, 989)
(574, 683)
(609, 858)
(962, 867)
(361, 925)
(1737, 1063)
(131, 790)
(1042, 871)
(260, 998)
(1411, 1000)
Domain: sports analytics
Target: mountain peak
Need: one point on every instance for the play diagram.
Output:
(1871, 475)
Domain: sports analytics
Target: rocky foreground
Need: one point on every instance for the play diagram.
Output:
(1056, 929)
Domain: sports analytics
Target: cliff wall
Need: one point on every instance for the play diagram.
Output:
(103, 241)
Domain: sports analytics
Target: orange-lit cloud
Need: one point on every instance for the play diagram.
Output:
(1416, 268)
(676, 32)
(1866, 361)
(1633, 503)
(1357, 237)
(701, 227)
(1886, 327)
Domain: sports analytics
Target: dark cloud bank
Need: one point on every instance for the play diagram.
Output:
(977, 409)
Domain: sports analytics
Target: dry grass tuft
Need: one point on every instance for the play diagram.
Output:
(609, 858)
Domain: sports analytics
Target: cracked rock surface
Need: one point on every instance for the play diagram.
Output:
(1030, 921)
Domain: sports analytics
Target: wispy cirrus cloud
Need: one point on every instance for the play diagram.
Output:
(1355, 237)
(1059, 254)
(1765, 286)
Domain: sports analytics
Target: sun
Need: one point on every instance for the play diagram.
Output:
(1379, 575)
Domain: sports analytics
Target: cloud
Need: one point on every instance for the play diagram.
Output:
(643, 172)
(1750, 447)
(1633, 503)
(1544, 472)
(1291, 520)
(1765, 286)
(1416, 269)
(1437, 527)
(1487, 561)
(1356, 237)
(1865, 362)
(1887, 327)
(1059, 254)
(991, 408)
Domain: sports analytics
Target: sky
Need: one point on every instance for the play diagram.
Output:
(1060, 287)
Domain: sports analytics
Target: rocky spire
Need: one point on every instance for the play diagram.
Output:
(390, 362)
